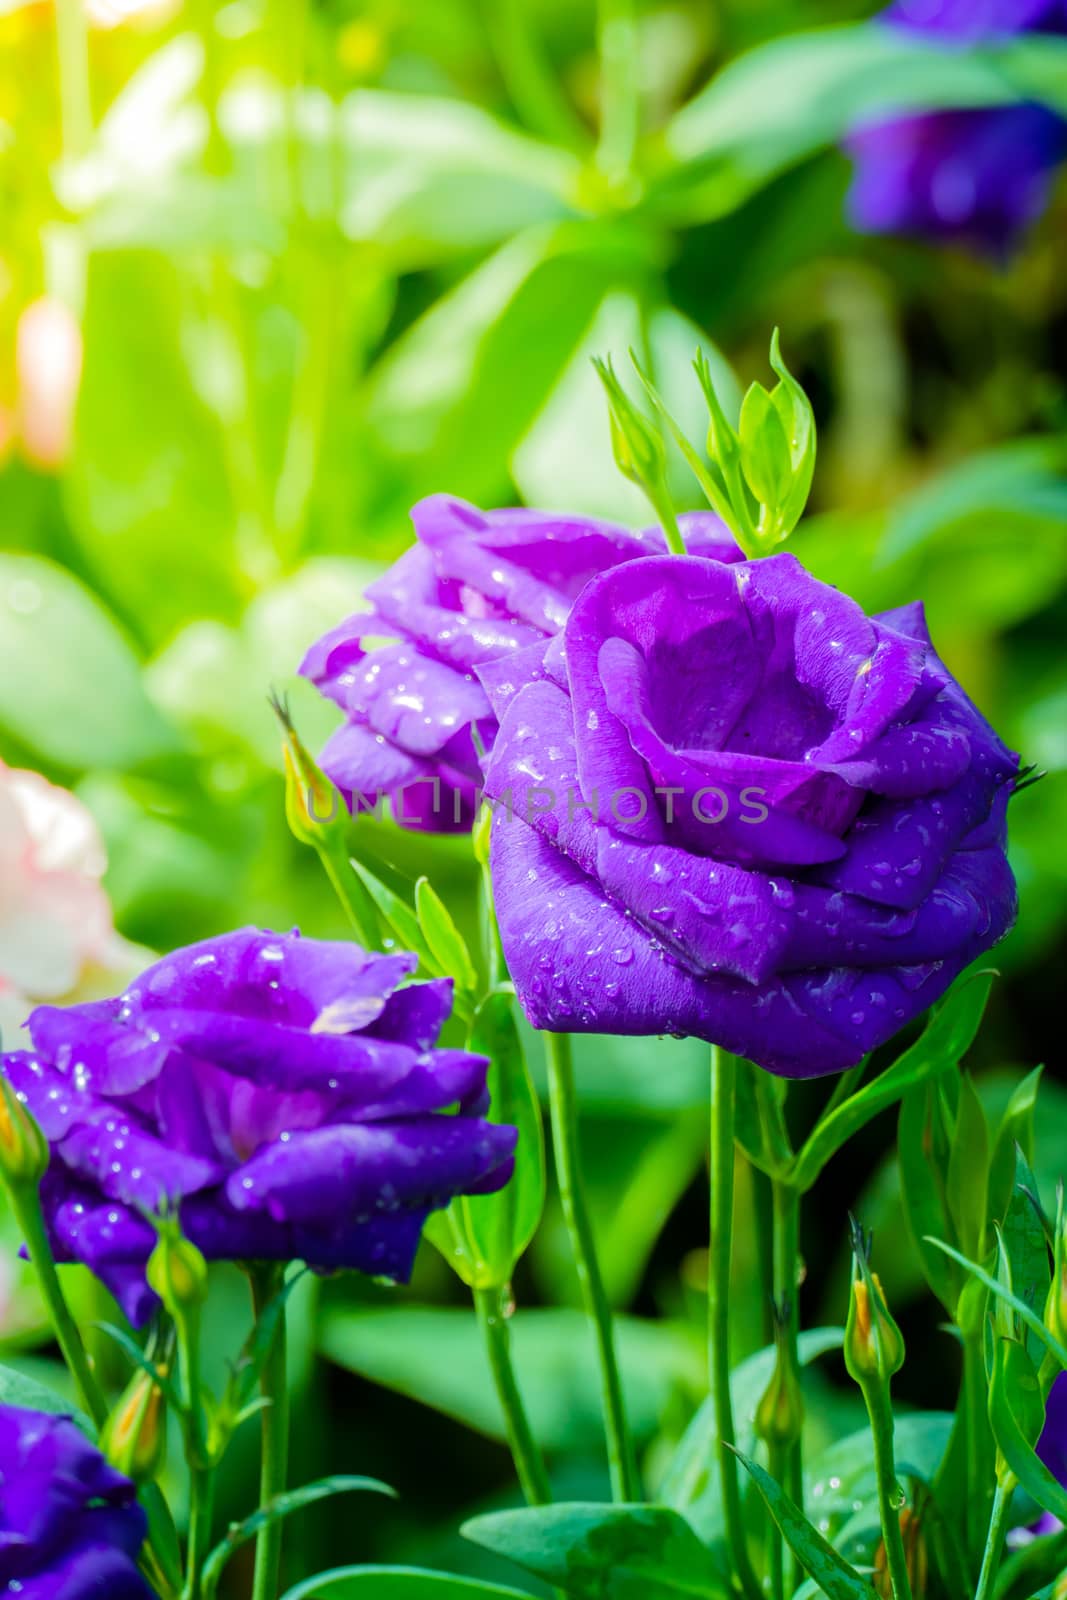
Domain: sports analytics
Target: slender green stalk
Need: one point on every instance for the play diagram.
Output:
(201, 1469)
(201, 1514)
(274, 1387)
(525, 1451)
(563, 1109)
(75, 101)
(980, 1450)
(890, 1498)
(720, 1243)
(26, 1205)
(619, 86)
(994, 1544)
(786, 1247)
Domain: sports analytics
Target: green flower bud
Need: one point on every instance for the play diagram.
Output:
(134, 1437)
(24, 1152)
(780, 1413)
(874, 1346)
(177, 1271)
(635, 441)
(1056, 1301)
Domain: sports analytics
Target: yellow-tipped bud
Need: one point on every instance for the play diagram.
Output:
(874, 1345)
(23, 1147)
(134, 1437)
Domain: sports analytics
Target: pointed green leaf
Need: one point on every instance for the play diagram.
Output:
(765, 458)
(1025, 1312)
(947, 1037)
(445, 942)
(922, 1151)
(819, 1559)
(967, 1184)
(1016, 1128)
(1015, 1414)
(401, 923)
(282, 1505)
(600, 1552)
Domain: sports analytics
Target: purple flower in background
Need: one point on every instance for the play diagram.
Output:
(477, 587)
(730, 804)
(70, 1525)
(980, 176)
(286, 1093)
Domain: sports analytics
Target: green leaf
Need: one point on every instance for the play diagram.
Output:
(967, 1182)
(844, 1474)
(1025, 1312)
(662, 1363)
(444, 940)
(1016, 1129)
(397, 1583)
(483, 1236)
(798, 423)
(691, 1483)
(819, 1559)
(401, 923)
(1024, 1240)
(765, 458)
(947, 1037)
(1026, 1572)
(282, 1505)
(598, 1552)
(1015, 1414)
(70, 684)
(922, 1152)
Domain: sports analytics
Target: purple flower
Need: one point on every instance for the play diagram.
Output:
(729, 804)
(978, 176)
(477, 587)
(70, 1525)
(286, 1093)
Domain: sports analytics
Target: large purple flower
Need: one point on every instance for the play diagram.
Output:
(477, 587)
(285, 1092)
(70, 1525)
(978, 176)
(730, 804)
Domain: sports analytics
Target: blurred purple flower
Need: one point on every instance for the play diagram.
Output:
(979, 176)
(477, 587)
(286, 1093)
(70, 1525)
(730, 804)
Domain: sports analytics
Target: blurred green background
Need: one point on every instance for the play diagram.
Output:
(318, 260)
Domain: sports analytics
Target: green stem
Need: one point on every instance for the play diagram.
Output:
(274, 1387)
(201, 1468)
(201, 1516)
(619, 87)
(720, 1245)
(994, 1544)
(529, 1464)
(786, 1249)
(563, 1109)
(876, 1396)
(774, 1577)
(980, 1452)
(26, 1204)
(75, 100)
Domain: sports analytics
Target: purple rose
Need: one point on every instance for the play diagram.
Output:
(477, 587)
(285, 1092)
(730, 804)
(978, 176)
(70, 1525)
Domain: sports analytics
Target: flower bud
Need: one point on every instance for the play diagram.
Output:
(177, 1271)
(24, 1152)
(134, 1437)
(635, 441)
(780, 1413)
(313, 806)
(1056, 1301)
(874, 1346)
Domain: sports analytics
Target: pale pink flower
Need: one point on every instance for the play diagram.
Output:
(48, 362)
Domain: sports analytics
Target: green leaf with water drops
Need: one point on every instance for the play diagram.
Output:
(446, 944)
(838, 1580)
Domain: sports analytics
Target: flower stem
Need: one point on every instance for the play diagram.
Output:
(720, 1246)
(26, 1204)
(786, 1245)
(563, 1108)
(201, 1511)
(525, 1451)
(994, 1544)
(266, 1281)
(890, 1499)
